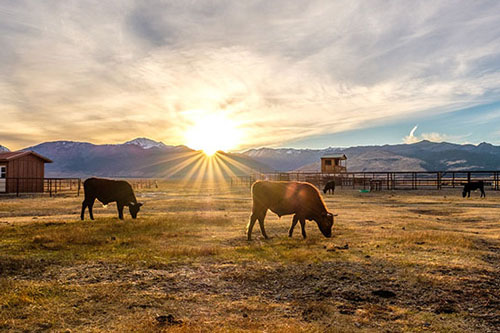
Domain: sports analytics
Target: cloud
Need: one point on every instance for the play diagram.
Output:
(433, 137)
(411, 138)
(101, 72)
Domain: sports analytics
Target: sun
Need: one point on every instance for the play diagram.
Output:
(212, 133)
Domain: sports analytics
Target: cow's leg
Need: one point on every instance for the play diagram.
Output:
(468, 194)
(303, 226)
(483, 194)
(90, 204)
(255, 215)
(84, 205)
(294, 223)
(261, 224)
(120, 206)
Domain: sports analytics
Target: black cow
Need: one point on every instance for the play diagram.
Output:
(106, 191)
(472, 186)
(329, 187)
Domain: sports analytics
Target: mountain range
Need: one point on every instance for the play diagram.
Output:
(138, 158)
(144, 157)
(420, 156)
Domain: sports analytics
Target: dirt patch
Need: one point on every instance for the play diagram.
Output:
(315, 289)
(24, 267)
(436, 212)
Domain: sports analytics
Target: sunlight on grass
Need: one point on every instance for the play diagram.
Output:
(187, 255)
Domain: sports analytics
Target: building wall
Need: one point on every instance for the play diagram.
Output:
(27, 173)
(3, 182)
(334, 167)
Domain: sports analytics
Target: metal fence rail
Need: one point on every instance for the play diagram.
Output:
(393, 180)
(62, 186)
(52, 186)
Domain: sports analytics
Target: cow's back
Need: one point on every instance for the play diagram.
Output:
(287, 197)
(108, 190)
(268, 193)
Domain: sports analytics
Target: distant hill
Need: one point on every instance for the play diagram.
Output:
(137, 158)
(3, 149)
(423, 155)
(144, 157)
(373, 161)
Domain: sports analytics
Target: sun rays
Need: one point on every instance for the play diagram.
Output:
(211, 133)
(195, 168)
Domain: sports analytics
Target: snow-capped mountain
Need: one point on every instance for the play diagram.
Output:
(137, 158)
(3, 149)
(143, 157)
(146, 143)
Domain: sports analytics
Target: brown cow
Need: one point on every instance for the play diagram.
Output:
(285, 198)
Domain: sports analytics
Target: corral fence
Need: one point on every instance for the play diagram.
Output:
(59, 186)
(52, 186)
(379, 180)
(142, 183)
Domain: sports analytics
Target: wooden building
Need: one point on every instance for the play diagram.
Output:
(22, 172)
(333, 163)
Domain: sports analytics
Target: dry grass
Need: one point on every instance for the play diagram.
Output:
(414, 261)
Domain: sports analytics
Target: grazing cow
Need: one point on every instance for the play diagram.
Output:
(472, 186)
(106, 191)
(329, 187)
(285, 198)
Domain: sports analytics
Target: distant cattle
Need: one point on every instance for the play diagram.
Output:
(285, 198)
(106, 191)
(329, 187)
(472, 186)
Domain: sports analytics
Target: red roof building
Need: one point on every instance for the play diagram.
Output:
(22, 172)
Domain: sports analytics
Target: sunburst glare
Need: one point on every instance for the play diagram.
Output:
(212, 133)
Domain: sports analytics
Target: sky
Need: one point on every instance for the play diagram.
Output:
(305, 74)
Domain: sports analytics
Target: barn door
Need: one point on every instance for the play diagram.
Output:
(3, 172)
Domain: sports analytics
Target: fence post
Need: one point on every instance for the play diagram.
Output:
(79, 185)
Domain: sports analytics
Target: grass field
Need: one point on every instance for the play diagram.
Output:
(397, 261)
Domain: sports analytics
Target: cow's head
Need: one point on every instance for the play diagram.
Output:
(134, 209)
(325, 223)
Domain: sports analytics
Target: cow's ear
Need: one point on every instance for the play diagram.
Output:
(139, 204)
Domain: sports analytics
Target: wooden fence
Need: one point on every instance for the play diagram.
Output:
(142, 183)
(393, 180)
(52, 186)
(61, 186)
